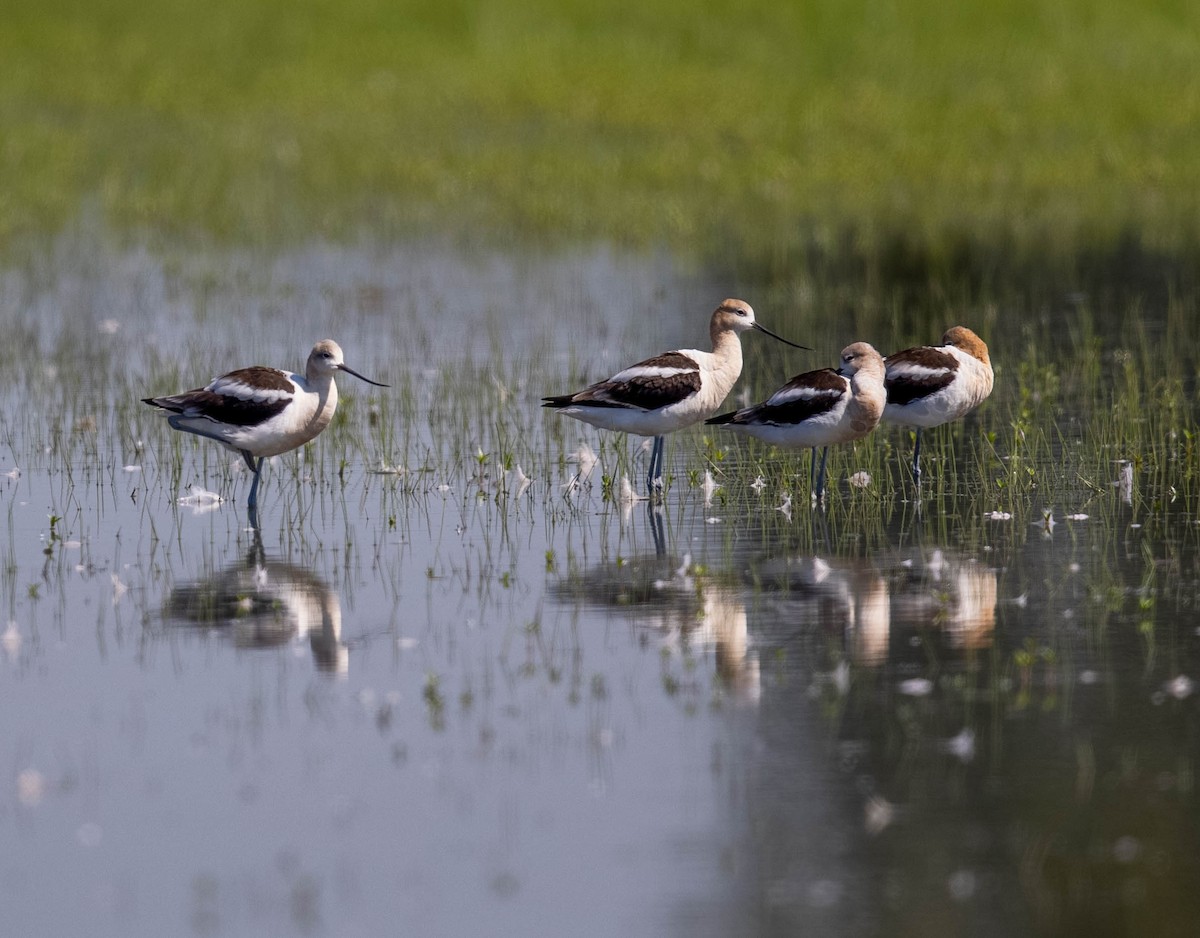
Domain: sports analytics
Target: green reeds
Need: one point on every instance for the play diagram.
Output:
(776, 131)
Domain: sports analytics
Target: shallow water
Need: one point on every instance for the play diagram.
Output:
(426, 697)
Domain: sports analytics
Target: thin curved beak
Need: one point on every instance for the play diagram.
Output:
(762, 328)
(351, 371)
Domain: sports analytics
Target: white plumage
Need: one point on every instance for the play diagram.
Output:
(260, 411)
(820, 407)
(669, 391)
(928, 386)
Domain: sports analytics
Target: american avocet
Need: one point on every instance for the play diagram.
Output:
(260, 411)
(931, 385)
(670, 391)
(819, 407)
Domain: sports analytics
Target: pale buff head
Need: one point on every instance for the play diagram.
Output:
(737, 316)
(733, 316)
(326, 359)
(861, 356)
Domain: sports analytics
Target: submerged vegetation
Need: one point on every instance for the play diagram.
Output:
(1076, 425)
(906, 132)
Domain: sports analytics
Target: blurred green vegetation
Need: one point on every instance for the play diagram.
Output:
(1040, 126)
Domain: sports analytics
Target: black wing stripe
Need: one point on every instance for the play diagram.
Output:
(910, 388)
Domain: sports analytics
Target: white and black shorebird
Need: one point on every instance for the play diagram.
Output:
(669, 391)
(930, 385)
(260, 411)
(819, 408)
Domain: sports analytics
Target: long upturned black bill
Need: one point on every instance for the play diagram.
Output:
(762, 328)
(351, 371)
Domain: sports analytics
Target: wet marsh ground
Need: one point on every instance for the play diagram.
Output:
(456, 683)
(442, 685)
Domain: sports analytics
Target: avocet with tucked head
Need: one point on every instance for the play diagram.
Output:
(820, 407)
(260, 411)
(928, 386)
(670, 391)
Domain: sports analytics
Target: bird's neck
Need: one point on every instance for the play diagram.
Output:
(868, 394)
(327, 399)
(727, 358)
(727, 346)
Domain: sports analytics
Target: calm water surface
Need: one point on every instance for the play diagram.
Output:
(423, 698)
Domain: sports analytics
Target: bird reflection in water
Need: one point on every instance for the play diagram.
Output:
(954, 594)
(878, 608)
(671, 605)
(263, 603)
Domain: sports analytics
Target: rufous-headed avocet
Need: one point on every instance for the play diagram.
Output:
(930, 385)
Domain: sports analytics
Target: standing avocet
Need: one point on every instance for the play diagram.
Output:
(819, 407)
(670, 391)
(260, 411)
(931, 385)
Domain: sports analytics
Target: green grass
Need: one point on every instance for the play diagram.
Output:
(720, 128)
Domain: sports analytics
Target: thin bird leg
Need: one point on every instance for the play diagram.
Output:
(821, 473)
(654, 479)
(917, 457)
(252, 501)
(812, 469)
(249, 460)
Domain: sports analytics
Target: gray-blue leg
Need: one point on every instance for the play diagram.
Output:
(821, 473)
(654, 478)
(252, 502)
(917, 457)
